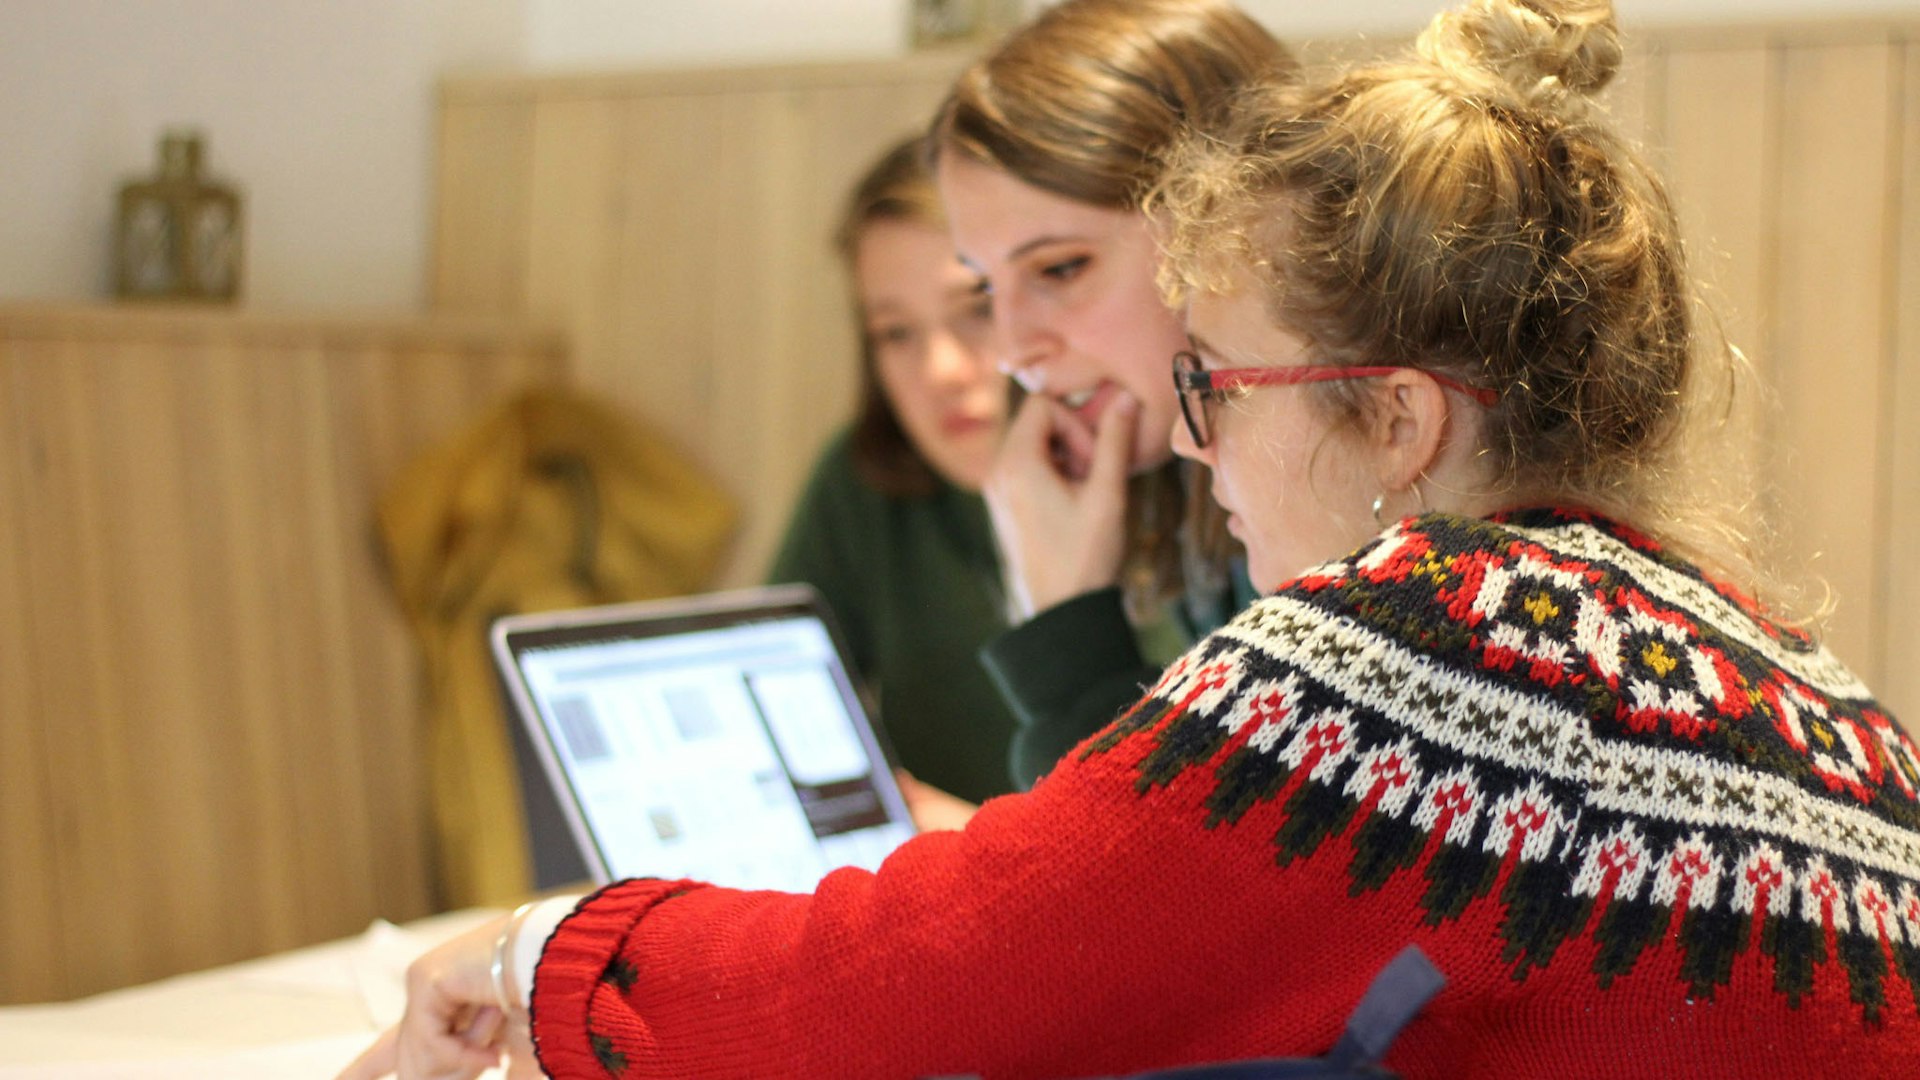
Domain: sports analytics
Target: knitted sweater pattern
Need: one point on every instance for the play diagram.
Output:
(1641, 828)
(1545, 709)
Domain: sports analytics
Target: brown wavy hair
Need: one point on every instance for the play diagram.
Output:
(1466, 209)
(1085, 102)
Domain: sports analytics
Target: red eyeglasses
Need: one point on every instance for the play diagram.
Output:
(1200, 388)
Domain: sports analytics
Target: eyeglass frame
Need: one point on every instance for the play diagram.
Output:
(1211, 384)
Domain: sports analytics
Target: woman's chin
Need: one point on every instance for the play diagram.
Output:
(1262, 573)
(969, 471)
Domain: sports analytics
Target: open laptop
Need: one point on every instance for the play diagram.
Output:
(716, 737)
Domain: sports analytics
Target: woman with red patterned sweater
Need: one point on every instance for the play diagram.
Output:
(1641, 827)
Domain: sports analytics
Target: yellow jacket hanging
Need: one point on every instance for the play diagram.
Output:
(552, 501)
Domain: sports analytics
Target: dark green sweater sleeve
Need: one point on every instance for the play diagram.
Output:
(823, 546)
(1067, 672)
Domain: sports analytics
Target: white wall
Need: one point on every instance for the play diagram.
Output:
(322, 110)
(319, 109)
(601, 33)
(614, 33)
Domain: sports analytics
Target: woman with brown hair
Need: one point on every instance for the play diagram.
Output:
(891, 528)
(1115, 561)
(1505, 700)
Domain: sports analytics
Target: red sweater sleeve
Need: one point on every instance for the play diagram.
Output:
(1055, 916)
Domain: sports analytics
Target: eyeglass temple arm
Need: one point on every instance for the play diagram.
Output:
(1282, 376)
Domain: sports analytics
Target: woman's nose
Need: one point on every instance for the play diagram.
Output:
(952, 362)
(1022, 338)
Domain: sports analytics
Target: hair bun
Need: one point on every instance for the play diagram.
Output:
(1541, 49)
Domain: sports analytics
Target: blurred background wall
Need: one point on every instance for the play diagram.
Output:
(322, 110)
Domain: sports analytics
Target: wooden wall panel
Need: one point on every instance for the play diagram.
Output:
(31, 919)
(762, 210)
(69, 614)
(485, 166)
(1718, 154)
(670, 309)
(574, 225)
(213, 742)
(224, 428)
(174, 744)
(1830, 337)
(1899, 628)
(312, 585)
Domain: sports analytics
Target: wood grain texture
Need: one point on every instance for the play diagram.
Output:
(483, 162)
(660, 356)
(32, 922)
(1720, 159)
(1831, 328)
(1898, 633)
(212, 743)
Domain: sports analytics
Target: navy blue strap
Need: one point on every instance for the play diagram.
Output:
(1395, 997)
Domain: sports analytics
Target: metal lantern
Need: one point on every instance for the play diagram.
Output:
(179, 233)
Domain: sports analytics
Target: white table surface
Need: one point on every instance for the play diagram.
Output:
(298, 1014)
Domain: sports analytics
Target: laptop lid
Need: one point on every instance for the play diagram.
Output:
(715, 737)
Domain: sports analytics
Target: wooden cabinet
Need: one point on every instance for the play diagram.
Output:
(209, 705)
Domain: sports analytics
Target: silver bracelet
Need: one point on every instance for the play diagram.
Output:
(510, 1006)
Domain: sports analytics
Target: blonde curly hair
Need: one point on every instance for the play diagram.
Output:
(1468, 210)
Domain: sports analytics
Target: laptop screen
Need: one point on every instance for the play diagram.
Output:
(719, 743)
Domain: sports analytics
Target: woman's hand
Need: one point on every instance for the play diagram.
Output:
(453, 1028)
(933, 809)
(1057, 495)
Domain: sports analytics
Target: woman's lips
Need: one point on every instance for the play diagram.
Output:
(962, 424)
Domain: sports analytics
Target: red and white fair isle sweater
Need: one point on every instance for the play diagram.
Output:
(1640, 829)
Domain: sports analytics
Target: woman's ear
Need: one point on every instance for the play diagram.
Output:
(1409, 428)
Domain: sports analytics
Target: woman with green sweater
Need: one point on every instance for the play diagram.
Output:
(891, 528)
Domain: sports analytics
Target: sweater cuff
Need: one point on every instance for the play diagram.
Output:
(1043, 664)
(575, 961)
(536, 926)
